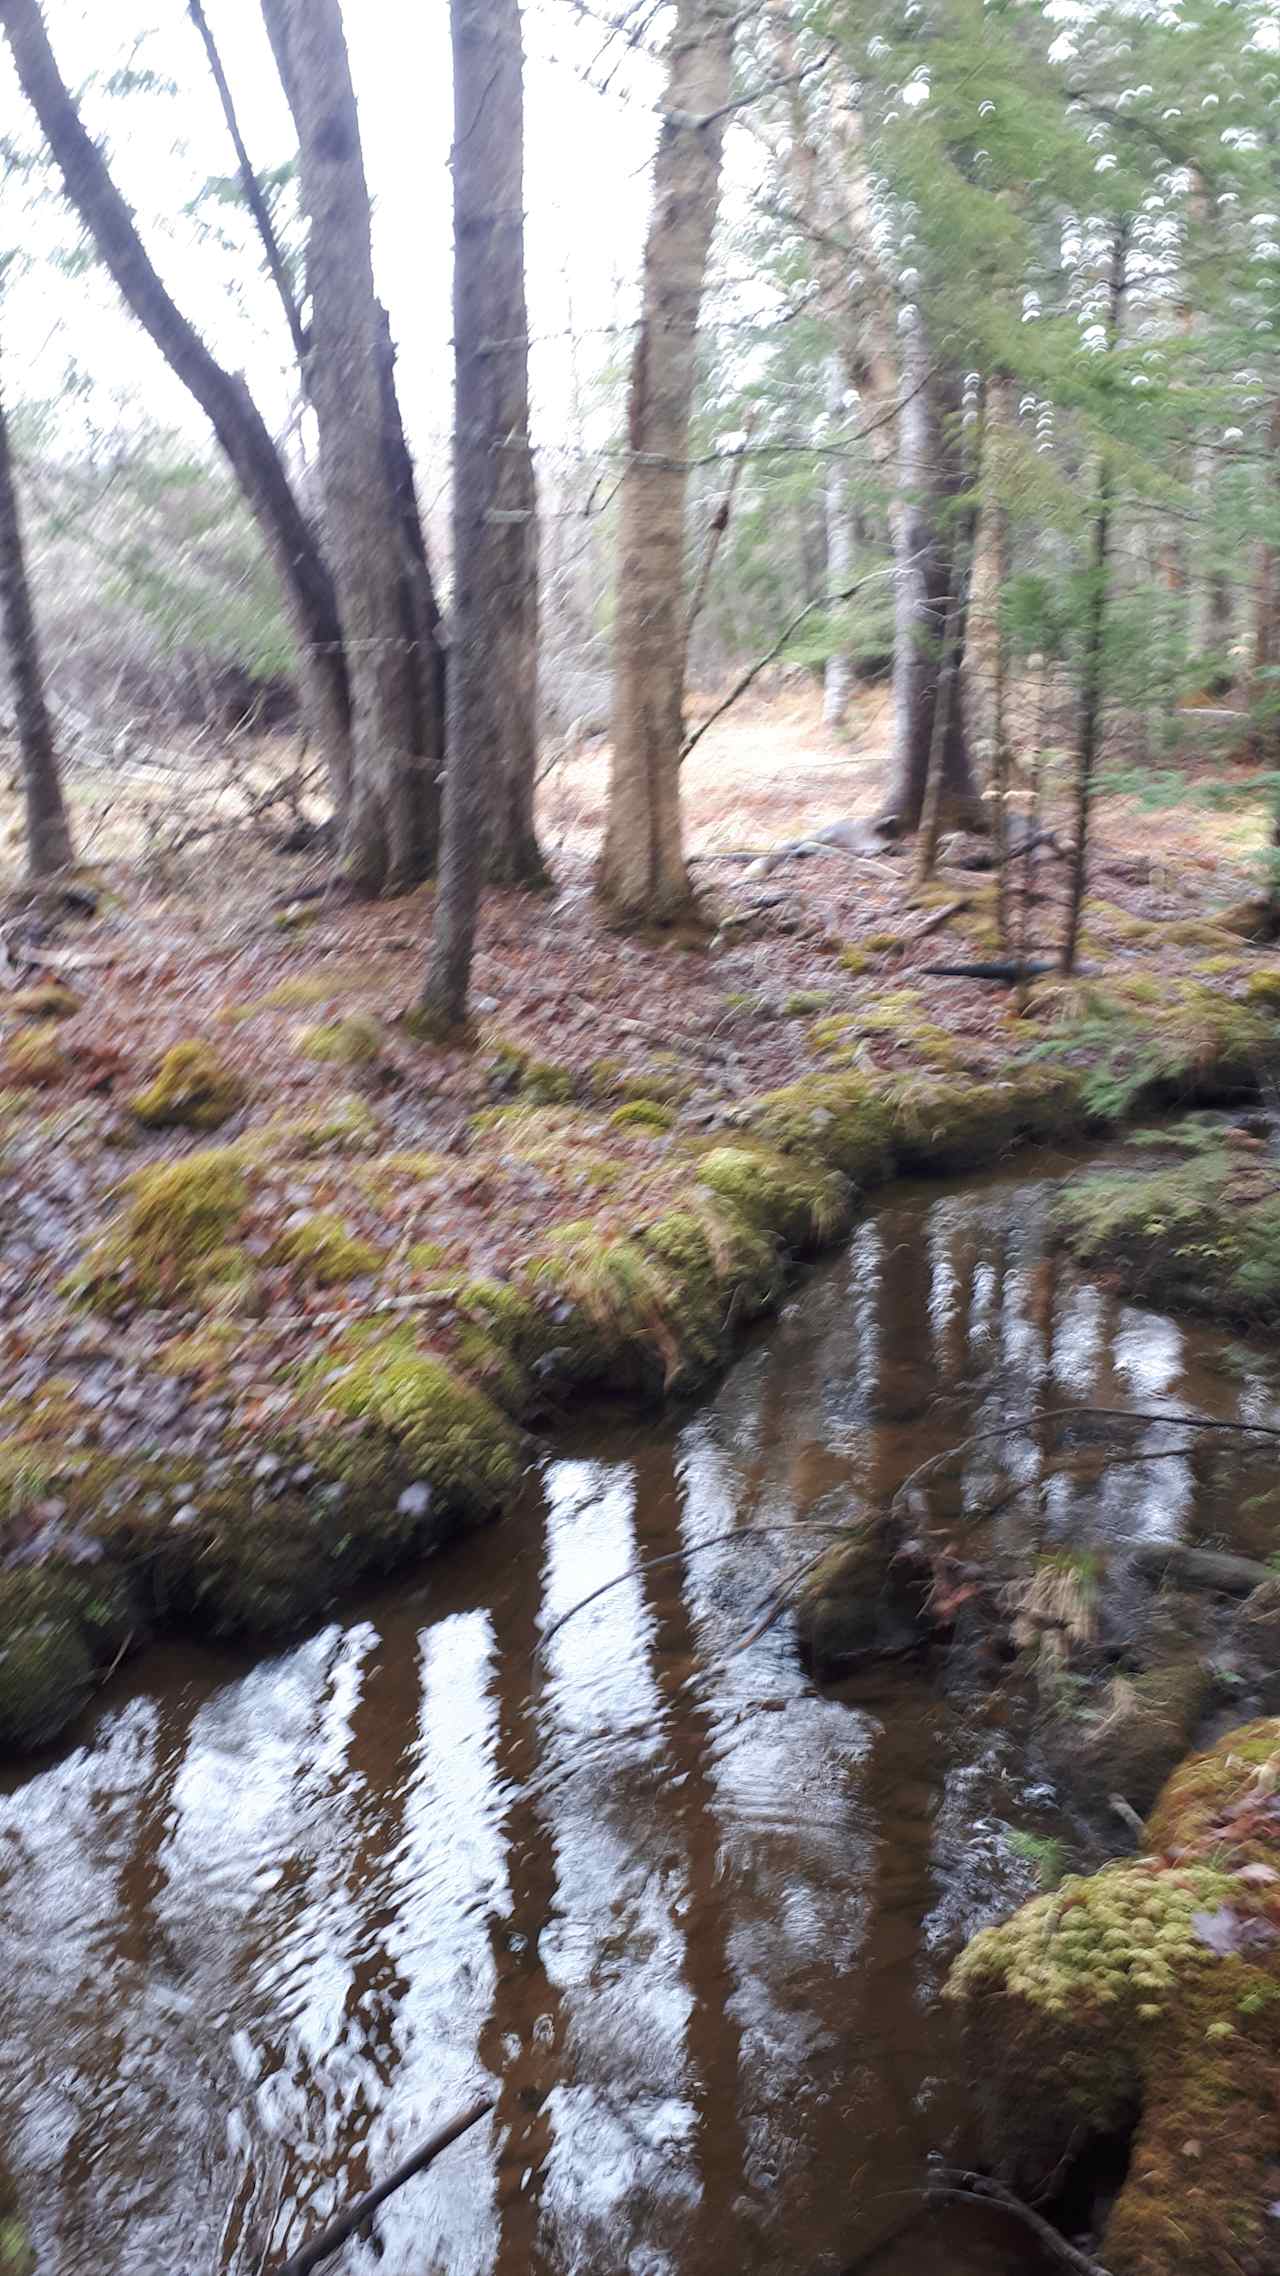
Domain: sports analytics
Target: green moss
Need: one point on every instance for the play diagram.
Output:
(1263, 988)
(802, 1001)
(344, 1125)
(643, 1114)
(444, 1430)
(33, 1059)
(382, 1178)
(1104, 2008)
(1202, 1235)
(56, 1629)
(324, 1251)
(17, 2257)
(844, 1121)
(805, 1206)
(192, 1090)
(354, 1041)
(942, 1125)
(173, 1237)
(425, 1256)
(46, 999)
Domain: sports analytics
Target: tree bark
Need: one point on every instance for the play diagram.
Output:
(222, 395)
(390, 837)
(642, 876)
(492, 657)
(48, 832)
(1093, 671)
(928, 563)
(838, 672)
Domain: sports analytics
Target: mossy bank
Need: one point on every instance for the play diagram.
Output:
(398, 1414)
(1142, 2004)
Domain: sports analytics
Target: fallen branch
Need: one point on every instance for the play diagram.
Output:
(1038, 1416)
(356, 2216)
(975, 2189)
(1200, 1568)
(823, 601)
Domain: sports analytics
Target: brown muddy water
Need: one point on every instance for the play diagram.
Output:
(268, 1924)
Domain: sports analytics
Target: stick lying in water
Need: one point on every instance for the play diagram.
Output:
(976, 2189)
(329, 2240)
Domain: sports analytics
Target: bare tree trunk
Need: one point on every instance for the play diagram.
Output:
(1264, 642)
(1093, 672)
(47, 829)
(492, 658)
(390, 837)
(222, 396)
(928, 553)
(642, 875)
(251, 186)
(838, 671)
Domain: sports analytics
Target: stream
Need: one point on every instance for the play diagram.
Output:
(268, 1923)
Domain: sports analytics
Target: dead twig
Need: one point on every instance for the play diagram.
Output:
(357, 2216)
(976, 2189)
(1038, 1416)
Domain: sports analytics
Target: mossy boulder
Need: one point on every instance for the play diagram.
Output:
(175, 1237)
(33, 1059)
(1145, 2001)
(192, 1090)
(644, 1115)
(805, 1206)
(945, 1124)
(1201, 1235)
(866, 1594)
(44, 999)
(1126, 1739)
(58, 1624)
(355, 1041)
(323, 1249)
(1264, 988)
(443, 1430)
(842, 1121)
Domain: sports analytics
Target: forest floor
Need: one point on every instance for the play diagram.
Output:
(358, 1173)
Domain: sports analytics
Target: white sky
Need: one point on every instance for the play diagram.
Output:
(587, 163)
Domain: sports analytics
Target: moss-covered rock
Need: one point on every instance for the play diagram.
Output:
(645, 1115)
(323, 1249)
(346, 1124)
(58, 1624)
(1264, 988)
(944, 1124)
(1201, 1235)
(1126, 1739)
(33, 1059)
(45, 999)
(804, 1205)
(865, 1595)
(192, 1090)
(1146, 1999)
(175, 1236)
(355, 1041)
(843, 1121)
(442, 1429)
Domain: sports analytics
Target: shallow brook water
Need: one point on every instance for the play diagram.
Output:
(268, 1924)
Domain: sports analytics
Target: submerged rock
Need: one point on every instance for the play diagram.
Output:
(1144, 2001)
(868, 1594)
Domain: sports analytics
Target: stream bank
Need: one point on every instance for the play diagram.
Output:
(398, 1424)
(267, 1922)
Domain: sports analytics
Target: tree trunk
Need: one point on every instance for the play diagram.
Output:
(492, 657)
(390, 838)
(928, 562)
(838, 671)
(47, 829)
(1093, 671)
(642, 876)
(222, 395)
